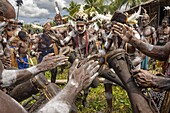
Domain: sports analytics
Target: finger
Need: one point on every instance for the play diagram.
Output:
(95, 69)
(92, 57)
(93, 65)
(50, 54)
(61, 63)
(135, 75)
(127, 27)
(119, 24)
(94, 76)
(59, 59)
(142, 84)
(59, 56)
(136, 70)
(116, 27)
(88, 64)
(64, 60)
(75, 64)
(118, 32)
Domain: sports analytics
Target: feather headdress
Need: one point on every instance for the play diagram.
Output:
(101, 17)
(133, 18)
(81, 15)
(166, 7)
(36, 26)
(60, 4)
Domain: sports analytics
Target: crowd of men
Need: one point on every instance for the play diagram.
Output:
(86, 47)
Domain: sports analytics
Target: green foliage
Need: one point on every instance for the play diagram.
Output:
(96, 98)
(73, 8)
(97, 101)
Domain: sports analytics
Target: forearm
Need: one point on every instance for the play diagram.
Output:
(10, 77)
(156, 52)
(162, 83)
(67, 39)
(63, 101)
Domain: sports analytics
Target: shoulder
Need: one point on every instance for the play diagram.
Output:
(152, 28)
(169, 28)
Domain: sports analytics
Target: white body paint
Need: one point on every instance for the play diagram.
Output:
(149, 47)
(74, 83)
(55, 106)
(34, 70)
(8, 77)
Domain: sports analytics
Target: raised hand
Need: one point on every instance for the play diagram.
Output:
(82, 76)
(50, 61)
(144, 78)
(125, 32)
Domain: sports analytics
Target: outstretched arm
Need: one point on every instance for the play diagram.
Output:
(146, 79)
(128, 34)
(9, 77)
(156, 52)
(80, 78)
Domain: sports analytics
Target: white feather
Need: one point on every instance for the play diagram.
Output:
(57, 11)
(60, 4)
(166, 8)
(70, 22)
(59, 26)
(96, 27)
(135, 15)
(101, 17)
(36, 26)
(81, 8)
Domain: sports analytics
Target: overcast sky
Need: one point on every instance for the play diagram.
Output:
(38, 11)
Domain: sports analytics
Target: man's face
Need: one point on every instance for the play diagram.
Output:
(80, 27)
(145, 20)
(164, 23)
(10, 30)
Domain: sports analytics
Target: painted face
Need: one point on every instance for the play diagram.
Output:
(81, 27)
(145, 20)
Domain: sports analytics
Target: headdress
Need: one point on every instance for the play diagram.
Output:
(81, 16)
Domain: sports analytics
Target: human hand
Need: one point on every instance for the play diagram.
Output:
(81, 76)
(125, 32)
(144, 78)
(89, 57)
(50, 61)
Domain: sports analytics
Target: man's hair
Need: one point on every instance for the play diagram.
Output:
(166, 19)
(22, 34)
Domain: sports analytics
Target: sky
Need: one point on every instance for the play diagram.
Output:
(38, 11)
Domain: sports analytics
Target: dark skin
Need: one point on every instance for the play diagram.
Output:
(145, 78)
(49, 62)
(163, 32)
(79, 78)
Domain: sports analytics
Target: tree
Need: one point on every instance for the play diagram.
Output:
(94, 5)
(19, 3)
(73, 8)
